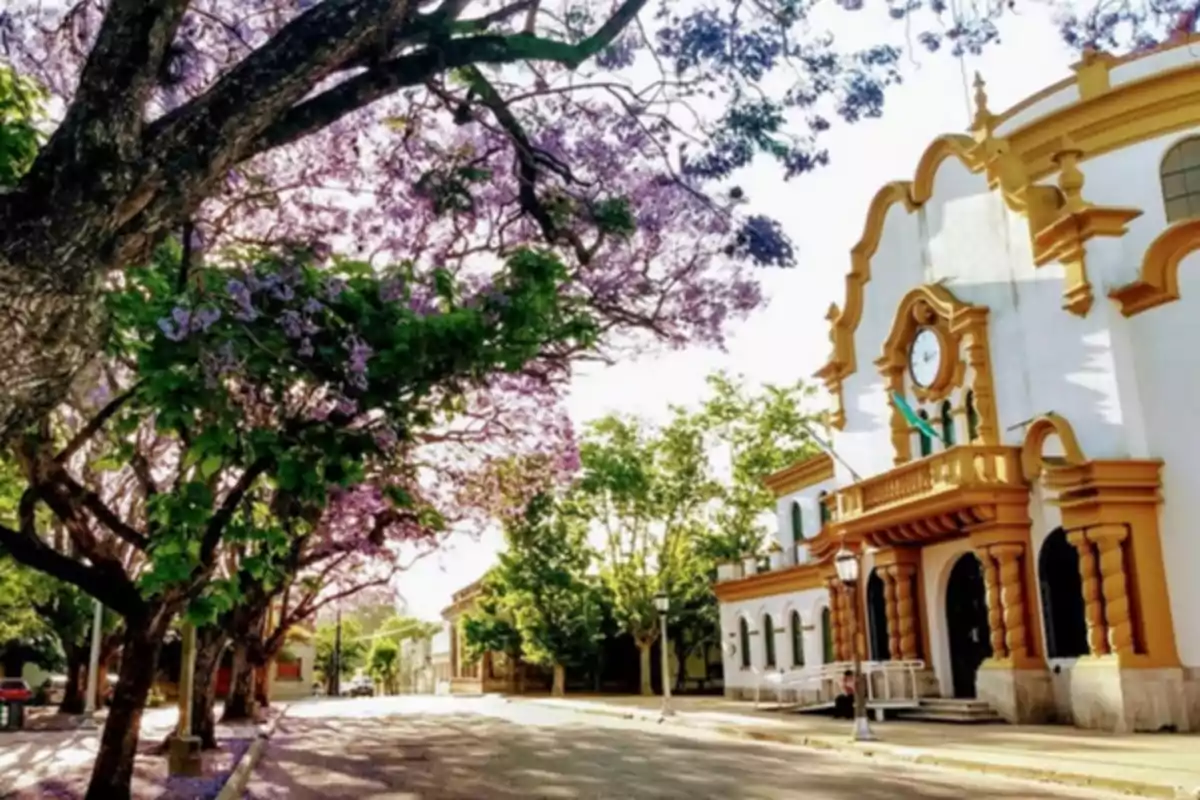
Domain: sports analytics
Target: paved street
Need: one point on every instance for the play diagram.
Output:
(476, 749)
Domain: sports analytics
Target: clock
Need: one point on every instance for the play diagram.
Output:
(925, 358)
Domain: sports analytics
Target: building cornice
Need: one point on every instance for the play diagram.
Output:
(801, 475)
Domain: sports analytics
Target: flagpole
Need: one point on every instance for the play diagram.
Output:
(828, 448)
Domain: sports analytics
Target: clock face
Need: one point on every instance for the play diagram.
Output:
(925, 357)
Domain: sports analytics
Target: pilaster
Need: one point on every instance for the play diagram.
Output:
(1093, 610)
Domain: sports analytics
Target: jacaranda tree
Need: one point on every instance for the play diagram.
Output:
(268, 120)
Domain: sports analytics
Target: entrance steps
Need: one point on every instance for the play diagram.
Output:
(953, 710)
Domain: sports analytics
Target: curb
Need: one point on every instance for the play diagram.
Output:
(913, 756)
(235, 785)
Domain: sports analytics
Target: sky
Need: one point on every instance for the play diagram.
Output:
(789, 339)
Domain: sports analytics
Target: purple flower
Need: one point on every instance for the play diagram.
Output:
(283, 292)
(385, 438)
(240, 294)
(176, 327)
(360, 352)
(422, 305)
(306, 348)
(313, 306)
(291, 323)
(346, 407)
(204, 319)
(334, 288)
(391, 290)
(321, 251)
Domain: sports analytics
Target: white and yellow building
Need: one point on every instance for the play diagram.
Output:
(1034, 292)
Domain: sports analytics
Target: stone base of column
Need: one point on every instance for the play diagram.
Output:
(1019, 696)
(1107, 696)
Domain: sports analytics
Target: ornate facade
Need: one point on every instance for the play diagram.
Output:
(1026, 294)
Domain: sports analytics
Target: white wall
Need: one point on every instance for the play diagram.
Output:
(809, 603)
(1167, 345)
(810, 516)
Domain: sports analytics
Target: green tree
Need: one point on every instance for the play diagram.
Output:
(383, 663)
(539, 594)
(353, 654)
(673, 501)
(647, 490)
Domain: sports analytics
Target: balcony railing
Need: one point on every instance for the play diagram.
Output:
(961, 467)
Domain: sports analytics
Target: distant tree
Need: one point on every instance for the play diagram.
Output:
(354, 650)
(383, 663)
(673, 501)
(542, 590)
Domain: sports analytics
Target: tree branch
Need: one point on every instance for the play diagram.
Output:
(216, 525)
(27, 547)
(94, 424)
(412, 70)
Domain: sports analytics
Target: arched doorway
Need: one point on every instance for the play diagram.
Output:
(877, 618)
(1062, 597)
(966, 623)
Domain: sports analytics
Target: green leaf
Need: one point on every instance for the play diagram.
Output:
(210, 466)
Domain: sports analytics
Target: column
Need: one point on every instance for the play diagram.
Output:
(991, 582)
(1115, 586)
(1093, 611)
(893, 612)
(1012, 598)
(906, 610)
(835, 616)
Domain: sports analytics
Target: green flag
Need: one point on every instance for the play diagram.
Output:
(912, 419)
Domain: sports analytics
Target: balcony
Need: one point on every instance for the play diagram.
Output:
(945, 486)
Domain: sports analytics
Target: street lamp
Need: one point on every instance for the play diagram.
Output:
(663, 603)
(848, 567)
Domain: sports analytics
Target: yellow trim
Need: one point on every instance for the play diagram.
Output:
(766, 584)
(800, 475)
(1100, 123)
(1036, 434)
(1158, 279)
(960, 326)
(1123, 495)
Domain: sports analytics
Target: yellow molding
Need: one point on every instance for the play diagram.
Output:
(1100, 123)
(1036, 434)
(766, 584)
(960, 326)
(1125, 494)
(1158, 278)
(800, 475)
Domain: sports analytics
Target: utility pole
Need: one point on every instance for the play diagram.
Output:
(337, 657)
(89, 702)
(184, 748)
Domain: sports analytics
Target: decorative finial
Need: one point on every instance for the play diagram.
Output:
(1070, 177)
(983, 117)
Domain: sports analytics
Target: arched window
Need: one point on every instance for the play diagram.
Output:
(972, 418)
(1180, 174)
(744, 641)
(797, 524)
(797, 640)
(1062, 597)
(768, 641)
(947, 424)
(823, 507)
(826, 636)
(926, 442)
(877, 618)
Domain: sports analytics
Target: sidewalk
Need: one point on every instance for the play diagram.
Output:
(1146, 765)
(28, 757)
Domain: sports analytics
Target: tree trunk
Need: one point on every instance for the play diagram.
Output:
(644, 650)
(239, 705)
(76, 688)
(262, 685)
(113, 769)
(210, 645)
(560, 681)
(53, 325)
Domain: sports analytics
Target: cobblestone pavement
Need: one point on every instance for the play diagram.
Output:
(480, 749)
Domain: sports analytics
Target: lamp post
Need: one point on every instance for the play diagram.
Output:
(663, 603)
(848, 567)
(336, 683)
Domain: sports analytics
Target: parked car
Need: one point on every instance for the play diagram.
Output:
(361, 686)
(14, 689)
